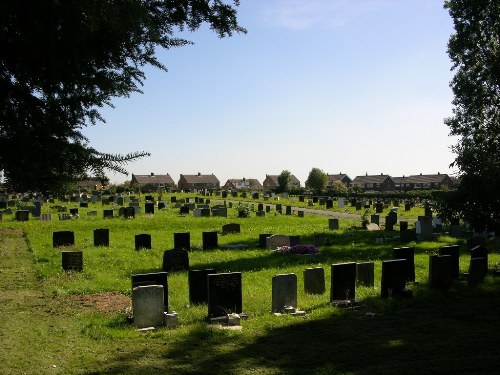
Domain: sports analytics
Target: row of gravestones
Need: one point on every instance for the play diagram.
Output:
(223, 295)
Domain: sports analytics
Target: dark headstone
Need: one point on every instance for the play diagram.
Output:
(149, 208)
(365, 274)
(22, 215)
(294, 240)
(479, 252)
(184, 210)
(231, 228)
(210, 240)
(149, 198)
(73, 211)
(288, 210)
(198, 285)
(358, 206)
(333, 224)
(478, 269)
(300, 213)
(84, 205)
(173, 199)
(37, 210)
(375, 219)
(393, 278)
(63, 238)
(407, 206)
(408, 235)
(142, 241)
(284, 292)
(129, 213)
(343, 282)
(161, 205)
(407, 253)
(260, 207)
(268, 208)
(314, 280)
(101, 237)
(182, 241)
(224, 294)
(3, 205)
(154, 278)
(379, 207)
(329, 203)
(454, 252)
(260, 213)
(108, 214)
(403, 225)
(262, 239)
(440, 271)
(72, 261)
(175, 260)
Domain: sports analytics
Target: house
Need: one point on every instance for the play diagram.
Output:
(198, 182)
(91, 184)
(381, 182)
(345, 179)
(427, 181)
(242, 183)
(398, 182)
(152, 182)
(271, 181)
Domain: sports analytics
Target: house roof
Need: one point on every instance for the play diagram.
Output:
(200, 178)
(153, 179)
(274, 177)
(336, 177)
(398, 180)
(425, 178)
(374, 179)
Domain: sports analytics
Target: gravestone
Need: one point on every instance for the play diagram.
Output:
(268, 208)
(340, 202)
(161, 205)
(101, 237)
(294, 240)
(456, 230)
(91, 213)
(182, 241)
(22, 215)
(120, 201)
(408, 235)
(277, 240)
(358, 206)
(393, 279)
(379, 207)
(403, 226)
(3, 205)
(62, 209)
(108, 214)
(284, 292)
(219, 211)
(149, 208)
(454, 252)
(198, 285)
(329, 203)
(278, 207)
(390, 220)
(440, 271)
(407, 206)
(64, 216)
(130, 212)
(184, 210)
(147, 304)
(262, 239)
(288, 210)
(153, 278)
(424, 227)
(343, 282)
(72, 261)
(142, 241)
(375, 219)
(408, 254)
(260, 213)
(37, 209)
(314, 280)
(478, 268)
(63, 238)
(175, 260)
(46, 217)
(149, 198)
(73, 211)
(210, 240)
(260, 207)
(84, 205)
(231, 228)
(224, 294)
(301, 198)
(300, 213)
(173, 199)
(333, 224)
(479, 252)
(365, 274)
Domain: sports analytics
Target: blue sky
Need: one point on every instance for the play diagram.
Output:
(351, 86)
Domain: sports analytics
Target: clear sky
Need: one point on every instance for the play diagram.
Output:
(351, 86)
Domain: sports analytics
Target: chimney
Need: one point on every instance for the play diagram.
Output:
(199, 174)
(152, 174)
(366, 173)
(420, 173)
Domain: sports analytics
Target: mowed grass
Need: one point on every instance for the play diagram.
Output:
(435, 332)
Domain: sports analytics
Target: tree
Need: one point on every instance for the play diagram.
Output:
(284, 181)
(317, 180)
(62, 61)
(339, 188)
(474, 49)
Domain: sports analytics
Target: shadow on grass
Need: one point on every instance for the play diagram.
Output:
(434, 332)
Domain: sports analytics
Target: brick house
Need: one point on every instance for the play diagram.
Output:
(198, 182)
(271, 181)
(243, 183)
(342, 177)
(381, 182)
(152, 182)
(427, 181)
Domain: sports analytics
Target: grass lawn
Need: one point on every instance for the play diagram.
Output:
(53, 322)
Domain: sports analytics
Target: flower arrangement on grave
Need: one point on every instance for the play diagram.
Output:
(298, 249)
(243, 210)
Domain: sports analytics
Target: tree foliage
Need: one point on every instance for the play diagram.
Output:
(317, 180)
(62, 61)
(284, 181)
(339, 188)
(474, 49)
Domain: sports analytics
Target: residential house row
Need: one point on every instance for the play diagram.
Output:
(381, 182)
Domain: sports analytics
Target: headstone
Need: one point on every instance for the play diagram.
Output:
(314, 280)
(440, 271)
(343, 282)
(284, 292)
(365, 274)
(142, 241)
(162, 205)
(403, 225)
(84, 205)
(408, 235)
(479, 252)
(147, 304)
(329, 204)
(300, 213)
(149, 208)
(108, 214)
(288, 210)
(358, 206)
(454, 252)
(175, 260)
(456, 230)
(62, 209)
(46, 217)
(340, 202)
(63, 238)
(478, 269)
(333, 224)
(231, 228)
(294, 240)
(64, 216)
(130, 212)
(101, 237)
(22, 215)
(182, 241)
(224, 294)
(260, 213)
(3, 205)
(379, 207)
(260, 207)
(375, 219)
(37, 210)
(73, 211)
(424, 227)
(268, 208)
(198, 285)
(210, 240)
(393, 279)
(91, 213)
(407, 253)
(277, 240)
(72, 261)
(262, 239)
(153, 278)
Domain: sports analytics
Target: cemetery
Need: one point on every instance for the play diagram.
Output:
(185, 279)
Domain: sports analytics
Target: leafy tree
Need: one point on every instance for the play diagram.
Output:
(339, 188)
(284, 181)
(317, 180)
(474, 49)
(62, 61)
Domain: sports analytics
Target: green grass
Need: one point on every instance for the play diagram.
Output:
(434, 332)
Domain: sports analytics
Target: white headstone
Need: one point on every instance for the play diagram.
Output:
(147, 304)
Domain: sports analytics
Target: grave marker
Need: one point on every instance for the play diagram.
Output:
(147, 304)
(314, 280)
(343, 282)
(440, 271)
(142, 241)
(408, 254)
(333, 224)
(22, 215)
(224, 294)
(210, 240)
(393, 279)
(175, 260)
(63, 238)
(153, 278)
(365, 274)
(454, 252)
(231, 228)
(182, 241)
(72, 261)
(198, 285)
(277, 240)
(101, 237)
(284, 292)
